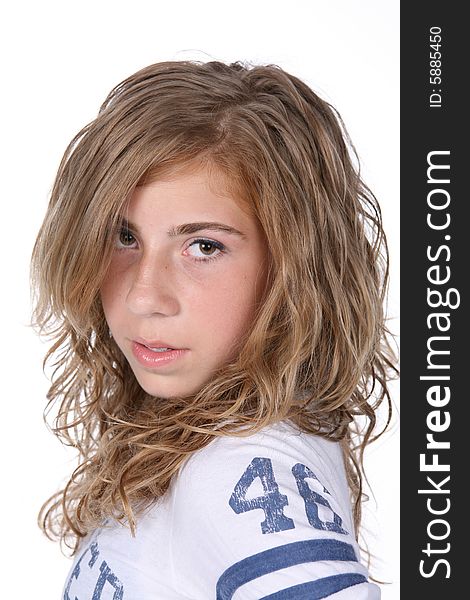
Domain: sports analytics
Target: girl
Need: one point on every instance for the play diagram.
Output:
(213, 270)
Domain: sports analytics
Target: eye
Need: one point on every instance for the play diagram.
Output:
(125, 238)
(207, 248)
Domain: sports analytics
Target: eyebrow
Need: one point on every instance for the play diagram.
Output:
(189, 228)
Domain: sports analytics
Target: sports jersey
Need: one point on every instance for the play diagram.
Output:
(265, 516)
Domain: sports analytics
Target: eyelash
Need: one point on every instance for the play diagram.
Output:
(220, 247)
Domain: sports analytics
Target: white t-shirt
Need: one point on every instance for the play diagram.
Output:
(260, 517)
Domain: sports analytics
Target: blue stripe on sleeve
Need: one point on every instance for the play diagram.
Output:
(281, 557)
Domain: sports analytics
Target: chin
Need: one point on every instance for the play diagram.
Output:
(167, 391)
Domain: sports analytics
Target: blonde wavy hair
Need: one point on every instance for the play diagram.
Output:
(318, 352)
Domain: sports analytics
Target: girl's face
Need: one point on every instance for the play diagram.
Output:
(188, 271)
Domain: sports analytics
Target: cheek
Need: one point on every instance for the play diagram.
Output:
(110, 293)
(228, 311)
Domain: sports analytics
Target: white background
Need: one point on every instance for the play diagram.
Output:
(59, 60)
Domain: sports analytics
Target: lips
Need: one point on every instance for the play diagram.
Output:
(154, 359)
(155, 343)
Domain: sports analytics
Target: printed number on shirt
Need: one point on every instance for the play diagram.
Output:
(273, 502)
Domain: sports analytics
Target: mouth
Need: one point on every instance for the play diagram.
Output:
(154, 357)
(159, 349)
(156, 345)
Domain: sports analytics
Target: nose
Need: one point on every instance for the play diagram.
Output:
(152, 288)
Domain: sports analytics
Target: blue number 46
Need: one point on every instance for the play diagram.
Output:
(273, 502)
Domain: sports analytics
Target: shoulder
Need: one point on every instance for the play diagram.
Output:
(262, 510)
(277, 455)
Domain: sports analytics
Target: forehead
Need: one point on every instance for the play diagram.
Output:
(193, 185)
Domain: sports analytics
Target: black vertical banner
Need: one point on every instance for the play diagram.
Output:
(435, 251)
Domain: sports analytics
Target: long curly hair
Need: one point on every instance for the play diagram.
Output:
(318, 352)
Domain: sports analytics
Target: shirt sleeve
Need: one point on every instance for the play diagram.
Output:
(266, 517)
